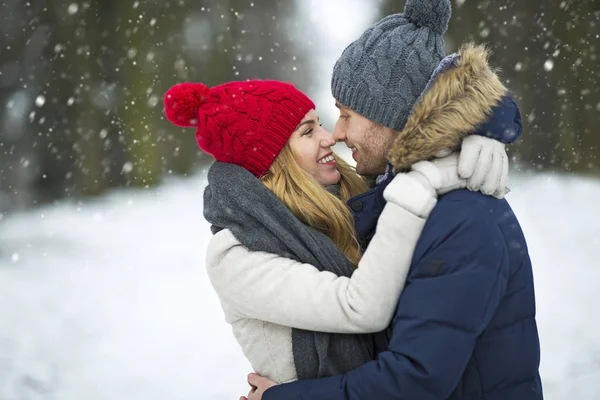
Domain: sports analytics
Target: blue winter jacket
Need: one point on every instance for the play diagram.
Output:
(465, 324)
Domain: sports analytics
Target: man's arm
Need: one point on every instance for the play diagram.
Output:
(452, 295)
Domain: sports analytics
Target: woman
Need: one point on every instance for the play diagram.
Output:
(284, 258)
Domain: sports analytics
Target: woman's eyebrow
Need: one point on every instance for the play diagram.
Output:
(310, 121)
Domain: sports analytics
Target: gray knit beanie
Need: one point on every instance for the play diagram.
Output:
(383, 73)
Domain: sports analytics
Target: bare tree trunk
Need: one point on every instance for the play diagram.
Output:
(17, 159)
(138, 120)
(54, 133)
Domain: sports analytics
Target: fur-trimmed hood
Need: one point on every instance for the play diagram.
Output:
(460, 101)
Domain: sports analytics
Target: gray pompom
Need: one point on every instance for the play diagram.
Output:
(433, 14)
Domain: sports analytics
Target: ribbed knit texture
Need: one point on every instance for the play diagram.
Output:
(244, 123)
(383, 73)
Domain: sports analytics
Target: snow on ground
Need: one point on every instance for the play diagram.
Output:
(108, 299)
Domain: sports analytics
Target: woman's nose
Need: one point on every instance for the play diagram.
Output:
(327, 141)
(325, 138)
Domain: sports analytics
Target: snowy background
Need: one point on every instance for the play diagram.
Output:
(109, 299)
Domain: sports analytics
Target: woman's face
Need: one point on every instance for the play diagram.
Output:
(311, 146)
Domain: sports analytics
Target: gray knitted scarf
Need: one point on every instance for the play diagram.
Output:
(234, 199)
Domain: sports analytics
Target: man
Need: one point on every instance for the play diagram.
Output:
(465, 324)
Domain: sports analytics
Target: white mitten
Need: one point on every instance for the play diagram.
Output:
(412, 192)
(441, 173)
(483, 162)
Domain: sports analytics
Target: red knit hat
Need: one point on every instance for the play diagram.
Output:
(244, 123)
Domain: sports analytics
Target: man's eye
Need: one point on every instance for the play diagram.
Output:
(344, 116)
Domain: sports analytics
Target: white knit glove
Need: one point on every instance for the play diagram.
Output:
(483, 162)
(412, 192)
(440, 174)
(482, 165)
(417, 190)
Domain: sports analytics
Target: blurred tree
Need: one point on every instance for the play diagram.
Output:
(78, 39)
(137, 80)
(53, 49)
(16, 155)
(547, 53)
(83, 84)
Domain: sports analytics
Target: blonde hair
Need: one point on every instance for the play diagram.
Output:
(312, 204)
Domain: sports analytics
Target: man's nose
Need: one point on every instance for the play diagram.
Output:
(339, 135)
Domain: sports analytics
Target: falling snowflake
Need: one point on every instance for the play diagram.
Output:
(73, 8)
(40, 100)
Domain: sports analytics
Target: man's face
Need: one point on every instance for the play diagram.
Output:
(369, 141)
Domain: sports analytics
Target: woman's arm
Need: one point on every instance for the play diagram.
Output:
(276, 289)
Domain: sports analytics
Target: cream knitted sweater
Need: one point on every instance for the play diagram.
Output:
(264, 295)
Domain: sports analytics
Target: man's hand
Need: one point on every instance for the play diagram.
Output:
(259, 385)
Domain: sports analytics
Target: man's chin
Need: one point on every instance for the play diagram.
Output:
(365, 170)
(360, 169)
(369, 171)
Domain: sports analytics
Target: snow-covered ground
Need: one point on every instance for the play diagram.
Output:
(109, 299)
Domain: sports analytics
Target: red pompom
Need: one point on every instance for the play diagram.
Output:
(183, 101)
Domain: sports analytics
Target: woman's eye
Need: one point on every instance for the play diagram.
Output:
(307, 132)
